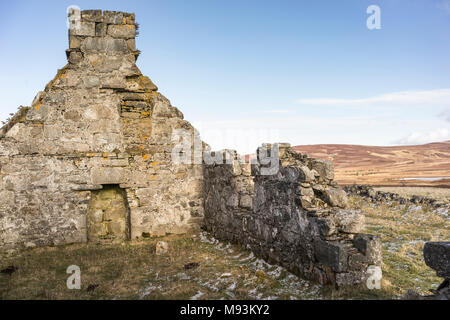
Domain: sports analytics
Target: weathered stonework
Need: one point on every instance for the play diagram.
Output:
(295, 217)
(91, 160)
(99, 122)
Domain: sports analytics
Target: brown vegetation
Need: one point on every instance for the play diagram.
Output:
(385, 166)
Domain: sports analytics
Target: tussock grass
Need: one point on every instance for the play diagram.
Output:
(404, 229)
(133, 271)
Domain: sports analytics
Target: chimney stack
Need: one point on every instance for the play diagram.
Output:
(93, 32)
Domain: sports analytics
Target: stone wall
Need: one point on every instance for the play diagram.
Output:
(295, 217)
(98, 122)
(374, 196)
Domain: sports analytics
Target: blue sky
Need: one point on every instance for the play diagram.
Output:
(247, 72)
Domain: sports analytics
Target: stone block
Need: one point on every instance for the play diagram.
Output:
(104, 176)
(350, 221)
(131, 44)
(75, 57)
(91, 82)
(125, 31)
(326, 226)
(350, 278)
(324, 168)
(7, 199)
(101, 29)
(116, 45)
(97, 216)
(233, 201)
(84, 28)
(116, 227)
(17, 132)
(112, 17)
(331, 254)
(437, 257)
(306, 192)
(246, 201)
(130, 18)
(114, 83)
(93, 44)
(370, 246)
(357, 261)
(104, 45)
(74, 42)
(335, 197)
(92, 15)
(305, 175)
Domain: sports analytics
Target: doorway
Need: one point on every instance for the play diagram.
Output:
(108, 216)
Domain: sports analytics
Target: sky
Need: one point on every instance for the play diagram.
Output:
(248, 72)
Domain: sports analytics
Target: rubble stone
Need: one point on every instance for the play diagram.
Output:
(437, 257)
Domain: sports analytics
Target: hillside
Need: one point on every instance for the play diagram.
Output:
(355, 164)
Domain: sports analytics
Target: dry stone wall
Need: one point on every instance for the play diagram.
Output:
(295, 217)
(99, 122)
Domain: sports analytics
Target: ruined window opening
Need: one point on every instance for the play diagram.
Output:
(108, 216)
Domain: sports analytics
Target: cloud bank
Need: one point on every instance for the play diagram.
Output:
(442, 134)
(407, 98)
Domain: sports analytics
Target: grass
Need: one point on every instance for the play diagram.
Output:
(132, 270)
(404, 229)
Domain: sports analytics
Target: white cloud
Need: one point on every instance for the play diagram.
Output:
(444, 5)
(429, 97)
(280, 111)
(245, 134)
(445, 115)
(442, 134)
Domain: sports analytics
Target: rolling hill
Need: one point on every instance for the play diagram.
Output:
(424, 165)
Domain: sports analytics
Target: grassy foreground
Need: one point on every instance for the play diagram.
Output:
(200, 267)
(195, 267)
(404, 229)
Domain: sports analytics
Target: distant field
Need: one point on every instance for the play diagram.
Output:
(386, 166)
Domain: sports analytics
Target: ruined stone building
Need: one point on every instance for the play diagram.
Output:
(90, 160)
(91, 157)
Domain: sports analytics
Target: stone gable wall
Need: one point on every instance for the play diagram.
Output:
(295, 217)
(98, 122)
